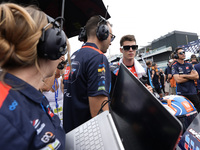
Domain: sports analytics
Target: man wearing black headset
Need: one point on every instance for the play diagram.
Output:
(87, 85)
(184, 75)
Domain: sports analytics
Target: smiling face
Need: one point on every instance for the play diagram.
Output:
(128, 54)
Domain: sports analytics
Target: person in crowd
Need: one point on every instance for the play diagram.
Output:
(148, 72)
(87, 85)
(26, 120)
(166, 79)
(53, 89)
(162, 78)
(156, 79)
(193, 59)
(128, 48)
(184, 75)
(171, 78)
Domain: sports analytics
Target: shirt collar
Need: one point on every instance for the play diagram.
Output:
(90, 44)
(24, 88)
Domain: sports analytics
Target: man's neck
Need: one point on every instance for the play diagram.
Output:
(181, 61)
(129, 62)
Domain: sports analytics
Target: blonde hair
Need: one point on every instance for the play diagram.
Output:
(20, 31)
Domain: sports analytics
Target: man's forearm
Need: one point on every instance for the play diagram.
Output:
(180, 78)
(190, 76)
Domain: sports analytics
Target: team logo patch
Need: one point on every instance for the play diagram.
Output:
(47, 137)
(13, 105)
(100, 88)
(37, 125)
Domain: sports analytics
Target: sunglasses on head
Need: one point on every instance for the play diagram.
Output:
(181, 53)
(112, 37)
(127, 47)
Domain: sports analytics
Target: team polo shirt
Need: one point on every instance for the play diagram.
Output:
(89, 77)
(186, 88)
(26, 120)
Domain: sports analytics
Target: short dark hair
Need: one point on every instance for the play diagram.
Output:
(127, 38)
(178, 48)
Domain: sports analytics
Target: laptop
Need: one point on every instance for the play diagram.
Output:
(137, 120)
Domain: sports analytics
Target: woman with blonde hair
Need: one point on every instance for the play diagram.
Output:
(26, 59)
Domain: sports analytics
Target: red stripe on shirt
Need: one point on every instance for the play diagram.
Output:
(4, 90)
(93, 49)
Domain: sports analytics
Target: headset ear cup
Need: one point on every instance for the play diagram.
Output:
(102, 32)
(53, 44)
(176, 56)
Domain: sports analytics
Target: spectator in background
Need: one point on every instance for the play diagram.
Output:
(193, 61)
(184, 75)
(156, 79)
(166, 79)
(148, 72)
(87, 85)
(162, 78)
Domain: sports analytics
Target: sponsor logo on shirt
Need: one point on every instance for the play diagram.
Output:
(52, 146)
(50, 112)
(38, 126)
(101, 70)
(47, 137)
(13, 105)
(100, 88)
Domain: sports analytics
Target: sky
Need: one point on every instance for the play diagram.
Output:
(148, 20)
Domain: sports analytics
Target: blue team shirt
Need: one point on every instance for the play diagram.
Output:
(26, 120)
(186, 88)
(90, 76)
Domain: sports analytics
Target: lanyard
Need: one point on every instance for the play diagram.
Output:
(56, 93)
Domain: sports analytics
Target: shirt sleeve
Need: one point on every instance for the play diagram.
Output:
(174, 69)
(99, 78)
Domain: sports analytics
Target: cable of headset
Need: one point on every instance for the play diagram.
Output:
(102, 105)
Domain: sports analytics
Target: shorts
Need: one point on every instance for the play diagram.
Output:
(167, 85)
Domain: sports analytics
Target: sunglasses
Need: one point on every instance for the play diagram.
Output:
(127, 47)
(181, 53)
(112, 37)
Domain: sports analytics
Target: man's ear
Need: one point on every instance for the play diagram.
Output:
(121, 50)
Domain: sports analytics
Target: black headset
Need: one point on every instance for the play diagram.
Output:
(52, 44)
(102, 29)
(102, 32)
(176, 55)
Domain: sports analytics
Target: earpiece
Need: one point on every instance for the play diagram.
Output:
(102, 29)
(52, 44)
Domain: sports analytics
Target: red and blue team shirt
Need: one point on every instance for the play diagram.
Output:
(26, 120)
(89, 76)
(186, 88)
